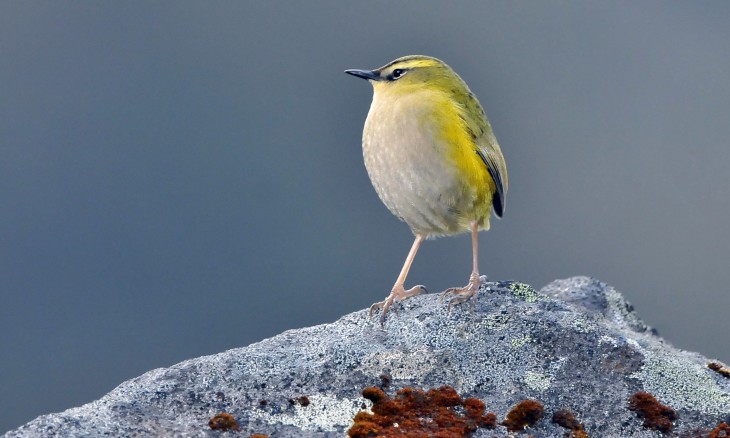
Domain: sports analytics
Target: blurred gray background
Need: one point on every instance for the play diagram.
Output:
(181, 178)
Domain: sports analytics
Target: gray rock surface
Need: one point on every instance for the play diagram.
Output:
(577, 345)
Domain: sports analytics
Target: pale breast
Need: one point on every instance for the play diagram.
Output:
(408, 166)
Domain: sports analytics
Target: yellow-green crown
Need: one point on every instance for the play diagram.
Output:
(418, 70)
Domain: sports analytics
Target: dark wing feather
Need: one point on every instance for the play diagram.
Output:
(497, 201)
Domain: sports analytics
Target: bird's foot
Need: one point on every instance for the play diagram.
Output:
(399, 293)
(463, 294)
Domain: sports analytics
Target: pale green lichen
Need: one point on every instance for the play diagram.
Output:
(538, 381)
(608, 340)
(681, 383)
(524, 291)
(413, 364)
(622, 312)
(583, 326)
(495, 322)
(520, 341)
(323, 413)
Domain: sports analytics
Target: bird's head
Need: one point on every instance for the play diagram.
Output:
(412, 73)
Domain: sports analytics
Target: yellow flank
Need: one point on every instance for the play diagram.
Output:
(462, 152)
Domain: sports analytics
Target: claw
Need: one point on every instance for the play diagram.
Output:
(397, 295)
(463, 294)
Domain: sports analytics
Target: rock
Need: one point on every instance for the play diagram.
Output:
(576, 345)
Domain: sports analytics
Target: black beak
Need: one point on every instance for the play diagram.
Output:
(370, 75)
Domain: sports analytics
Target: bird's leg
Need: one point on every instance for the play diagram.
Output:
(399, 292)
(463, 294)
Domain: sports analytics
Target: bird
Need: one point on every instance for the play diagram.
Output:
(433, 160)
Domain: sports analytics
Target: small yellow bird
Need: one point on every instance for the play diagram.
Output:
(433, 159)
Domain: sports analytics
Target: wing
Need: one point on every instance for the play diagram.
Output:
(498, 170)
(486, 146)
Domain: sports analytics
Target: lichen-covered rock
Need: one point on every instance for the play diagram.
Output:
(576, 345)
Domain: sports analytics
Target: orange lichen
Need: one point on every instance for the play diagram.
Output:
(259, 435)
(722, 370)
(567, 420)
(415, 413)
(526, 413)
(721, 431)
(223, 421)
(655, 415)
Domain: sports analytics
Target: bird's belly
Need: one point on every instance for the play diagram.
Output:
(413, 176)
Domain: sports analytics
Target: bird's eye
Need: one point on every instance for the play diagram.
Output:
(398, 72)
